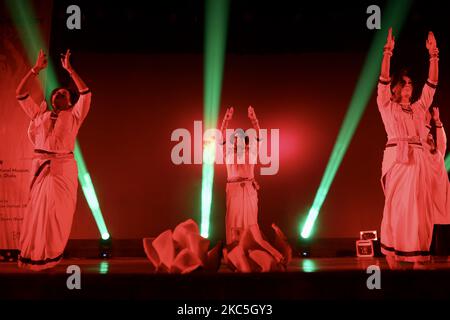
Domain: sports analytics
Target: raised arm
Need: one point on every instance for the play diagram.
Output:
(65, 61)
(384, 90)
(255, 123)
(426, 98)
(25, 83)
(30, 107)
(82, 106)
(441, 139)
(433, 71)
(226, 119)
(387, 54)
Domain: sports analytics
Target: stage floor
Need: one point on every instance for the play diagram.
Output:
(306, 279)
(142, 266)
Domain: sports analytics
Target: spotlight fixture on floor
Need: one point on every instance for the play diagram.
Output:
(304, 248)
(367, 244)
(364, 248)
(105, 247)
(368, 235)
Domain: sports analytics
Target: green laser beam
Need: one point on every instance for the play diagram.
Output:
(216, 21)
(395, 16)
(89, 192)
(26, 24)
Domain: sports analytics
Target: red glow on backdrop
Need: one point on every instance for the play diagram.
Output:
(298, 140)
(126, 138)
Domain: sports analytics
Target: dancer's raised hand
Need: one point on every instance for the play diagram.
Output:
(251, 114)
(390, 41)
(228, 114)
(431, 44)
(65, 61)
(227, 118)
(41, 61)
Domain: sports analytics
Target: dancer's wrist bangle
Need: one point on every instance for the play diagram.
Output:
(431, 84)
(387, 52)
(384, 81)
(23, 96)
(33, 71)
(434, 53)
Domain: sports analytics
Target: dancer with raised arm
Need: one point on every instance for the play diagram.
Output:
(245, 242)
(407, 225)
(242, 189)
(439, 184)
(53, 190)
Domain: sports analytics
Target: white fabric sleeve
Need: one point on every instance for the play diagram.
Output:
(426, 98)
(81, 108)
(441, 142)
(31, 108)
(383, 95)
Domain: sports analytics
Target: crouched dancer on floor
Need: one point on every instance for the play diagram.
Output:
(250, 249)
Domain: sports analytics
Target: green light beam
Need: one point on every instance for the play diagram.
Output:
(23, 17)
(89, 192)
(216, 20)
(395, 15)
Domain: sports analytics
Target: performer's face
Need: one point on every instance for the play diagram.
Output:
(61, 99)
(404, 88)
(240, 143)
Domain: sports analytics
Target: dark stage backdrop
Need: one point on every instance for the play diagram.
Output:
(139, 99)
(297, 64)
